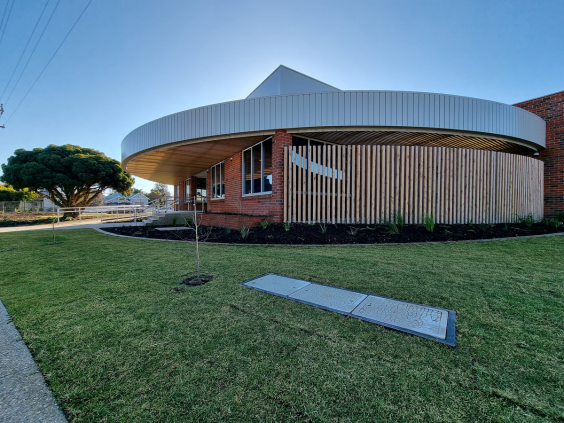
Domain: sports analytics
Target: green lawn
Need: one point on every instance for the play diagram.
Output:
(117, 341)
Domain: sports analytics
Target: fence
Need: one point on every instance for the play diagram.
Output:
(369, 184)
(21, 206)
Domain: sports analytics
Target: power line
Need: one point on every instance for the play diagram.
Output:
(58, 48)
(31, 55)
(7, 19)
(25, 49)
(4, 14)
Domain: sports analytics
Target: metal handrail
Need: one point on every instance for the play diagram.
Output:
(163, 204)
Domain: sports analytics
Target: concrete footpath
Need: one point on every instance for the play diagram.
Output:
(24, 396)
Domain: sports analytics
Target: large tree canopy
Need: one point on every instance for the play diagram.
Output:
(72, 176)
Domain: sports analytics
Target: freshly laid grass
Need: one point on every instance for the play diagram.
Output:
(119, 339)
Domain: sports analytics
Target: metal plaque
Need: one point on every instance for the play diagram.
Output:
(276, 284)
(403, 315)
(417, 319)
(328, 297)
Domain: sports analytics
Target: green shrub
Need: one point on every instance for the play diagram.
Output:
(527, 220)
(188, 221)
(174, 220)
(323, 228)
(245, 231)
(287, 226)
(429, 222)
(555, 223)
(470, 222)
(485, 226)
(227, 231)
(560, 216)
(392, 227)
(353, 231)
(399, 219)
(506, 227)
(265, 223)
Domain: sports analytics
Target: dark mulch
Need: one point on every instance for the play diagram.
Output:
(197, 280)
(304, 234)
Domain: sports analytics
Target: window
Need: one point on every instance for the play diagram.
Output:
(216, 181)
(201, 190)
(257, 168)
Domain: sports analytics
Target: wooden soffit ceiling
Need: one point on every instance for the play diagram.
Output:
(177, 163)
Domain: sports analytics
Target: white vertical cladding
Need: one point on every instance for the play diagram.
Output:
(338, 109)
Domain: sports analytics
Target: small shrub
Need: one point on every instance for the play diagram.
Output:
(560, 217)
(399, 219)
(527, 220)
(245, 232)
(287, 226)
(68, 218)
(392, 228)
(174, 220)
(323, 228)
(265, 223)
(227, 231)
(555, 223)
(506, 227)
(429, 222)
(485, 226)
(470, 222)
(188, 221)
(353, 231)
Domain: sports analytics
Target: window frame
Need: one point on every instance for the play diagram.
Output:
(252, 161)
(219, 167)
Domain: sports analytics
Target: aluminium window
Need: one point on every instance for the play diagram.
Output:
(217, 183)
(257, 168)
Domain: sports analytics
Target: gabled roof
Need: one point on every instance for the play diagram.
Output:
(288, 81)
(114, 195)
(136, 195)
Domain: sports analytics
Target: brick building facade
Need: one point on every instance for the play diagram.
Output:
(551, 109)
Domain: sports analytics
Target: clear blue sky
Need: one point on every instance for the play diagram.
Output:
(130, 61)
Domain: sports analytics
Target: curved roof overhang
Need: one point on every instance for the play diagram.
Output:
(177, 146)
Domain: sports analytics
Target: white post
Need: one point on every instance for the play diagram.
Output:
(79, 215)
(135, 216)
(58, 221)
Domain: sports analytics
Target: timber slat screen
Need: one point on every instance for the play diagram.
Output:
(369, 184)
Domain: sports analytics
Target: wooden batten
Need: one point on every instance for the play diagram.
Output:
(369, 184)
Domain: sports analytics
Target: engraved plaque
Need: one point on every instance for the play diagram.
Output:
(417, 318)
(276, 284)
(335, 299)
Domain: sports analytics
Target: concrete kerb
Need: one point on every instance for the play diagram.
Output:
(342, 245)
(24, 396)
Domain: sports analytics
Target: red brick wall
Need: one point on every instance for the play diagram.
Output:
(231, 221)
(551, 109)
(271, 205)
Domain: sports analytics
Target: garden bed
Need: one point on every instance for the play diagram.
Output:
(304, 234)
(26, 218)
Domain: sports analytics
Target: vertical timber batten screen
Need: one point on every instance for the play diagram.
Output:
(369, 184)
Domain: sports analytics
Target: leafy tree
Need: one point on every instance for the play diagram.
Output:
(8, 193)
(162, 189)
(72, 176)
(154, 195)
(139, 191)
